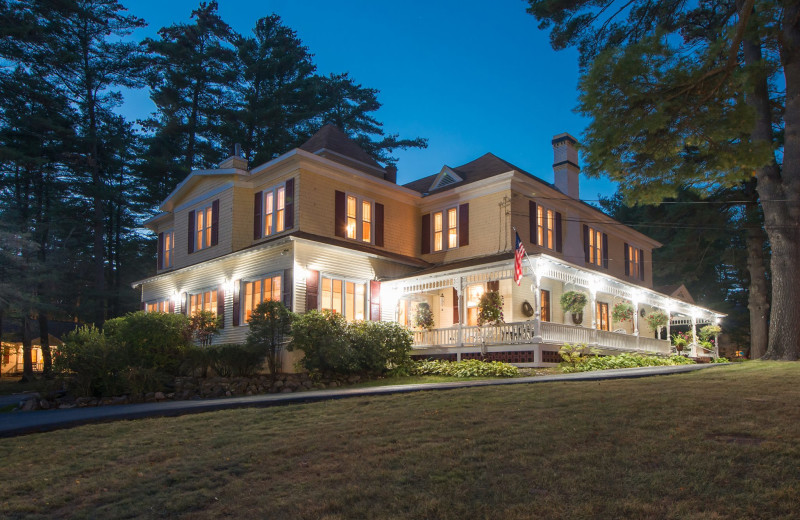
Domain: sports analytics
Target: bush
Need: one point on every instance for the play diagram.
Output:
(574, 355)
(153, 340)
(270, 323)
(330, 344)
(92, 364)
(232, 360)
(624, 361)
(468, 368)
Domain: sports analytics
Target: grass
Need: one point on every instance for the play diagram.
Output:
(718, 443)
(12, 385)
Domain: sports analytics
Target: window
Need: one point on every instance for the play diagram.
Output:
(202, 228)
(633, 257)
(203, 301)
(159, 306)
(545, 313)
(595, 247)
(474, 293)
(546, 227)
(274, 200)
(168, 245)
(257, 291)
(450, 218)
(602, 316)
(344, 297)
(359, 219)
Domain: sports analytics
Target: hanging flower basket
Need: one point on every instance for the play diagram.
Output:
(656, 319)
(423, 318)
(573, 301)
(490, 309)
(622, 312)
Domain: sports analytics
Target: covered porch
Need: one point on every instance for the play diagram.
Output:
(534, 321)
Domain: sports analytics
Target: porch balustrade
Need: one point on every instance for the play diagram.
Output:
(523, 332)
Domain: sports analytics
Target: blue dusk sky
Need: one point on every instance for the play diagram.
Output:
(470, 76)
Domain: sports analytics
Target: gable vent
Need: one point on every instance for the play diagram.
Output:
(446, 177)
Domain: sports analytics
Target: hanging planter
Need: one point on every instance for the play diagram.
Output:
(574, 303)
(622, 312)
(490, 309)
(656, 320)
(423, 318)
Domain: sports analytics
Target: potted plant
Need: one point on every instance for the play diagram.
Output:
(490, 309)
(622, 312)
(680, 341)
(423, 317)
(574, 302)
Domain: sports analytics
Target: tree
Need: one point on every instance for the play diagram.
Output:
(190, 75)
(690, 94)
(270, 323)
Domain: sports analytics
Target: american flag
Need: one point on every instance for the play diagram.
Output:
(518, 254)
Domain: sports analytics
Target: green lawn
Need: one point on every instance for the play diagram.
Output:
(718, 443)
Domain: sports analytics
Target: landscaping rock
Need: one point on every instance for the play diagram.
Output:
(159, 396)
(44, 404)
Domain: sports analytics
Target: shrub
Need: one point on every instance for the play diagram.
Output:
(626, 361)
(322, 338)
(622, 312)
(233, 360)
(203, 325)
(379, 346)
(490, 309)
(467, 368)
(91, 363)
(574, 355)
(270, 323)
(153, 340)
(708, 332)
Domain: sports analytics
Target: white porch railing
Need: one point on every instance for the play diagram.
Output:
(523, 332)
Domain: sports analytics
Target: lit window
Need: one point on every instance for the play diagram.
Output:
(203, 301)
(451, 229)
(257, 291)
(545, 228)
(634, 260)
(169, 245)
(474, 293)
(202, 228)
(344, 297)
(602, 316)
(359, 219)
(159, 306)
(595, 247)
(274, 200)
(545, 309)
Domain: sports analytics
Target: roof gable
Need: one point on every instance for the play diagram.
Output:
(332, 143)
(444, 178)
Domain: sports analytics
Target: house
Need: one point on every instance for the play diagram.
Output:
(11, 358)
(324, 226)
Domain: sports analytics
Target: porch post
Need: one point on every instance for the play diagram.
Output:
(636, 318)
(669, 326)
(537, 311)
(593, 303)
(694, 335)
(716, 346)
(462, 315)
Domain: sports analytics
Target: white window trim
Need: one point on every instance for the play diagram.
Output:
(200, 291)
(206, 209)
(360, 218)
(243, 292)
(274, 190)
(543, 224)
(164, 263)
(633, 271)
(166, 301)
(445, 229)
(344, 280)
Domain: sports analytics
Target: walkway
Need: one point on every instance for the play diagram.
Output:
(19, 423)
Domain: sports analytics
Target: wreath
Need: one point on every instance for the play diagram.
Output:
(527, 309)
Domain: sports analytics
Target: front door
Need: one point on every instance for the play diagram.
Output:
(602, 316)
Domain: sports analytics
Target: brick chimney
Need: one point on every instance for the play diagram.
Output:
(235, 160)
(565, 165)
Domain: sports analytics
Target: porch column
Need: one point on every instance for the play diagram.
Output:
(462, 315)
(716, 346)
(694, 336)
(593, 303)
(669, 325)
(537, 311)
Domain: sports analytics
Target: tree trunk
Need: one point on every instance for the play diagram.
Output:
(44, 341)
(27, 361)
(758, 293)
(778, 187)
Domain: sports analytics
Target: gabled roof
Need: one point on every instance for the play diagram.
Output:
(485, 166)
(332, 143)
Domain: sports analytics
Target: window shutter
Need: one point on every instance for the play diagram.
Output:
(160, 251)
(378, 224)
(641, 264)
(426, 234)
(289, 204)
(374, 300)
(143, 306)
(215, 222)
(559, 242)
(340, 217)
(493, 286)
(463, 225)
(221, 305)
(236, 302)
(258, 228)
(185, 303)
(605, 251)
(288, 287)
(627, 260)
(191, 232)
(312, 290)
(171, 306)
(586, 243)
(533, 218)
(455, 306)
